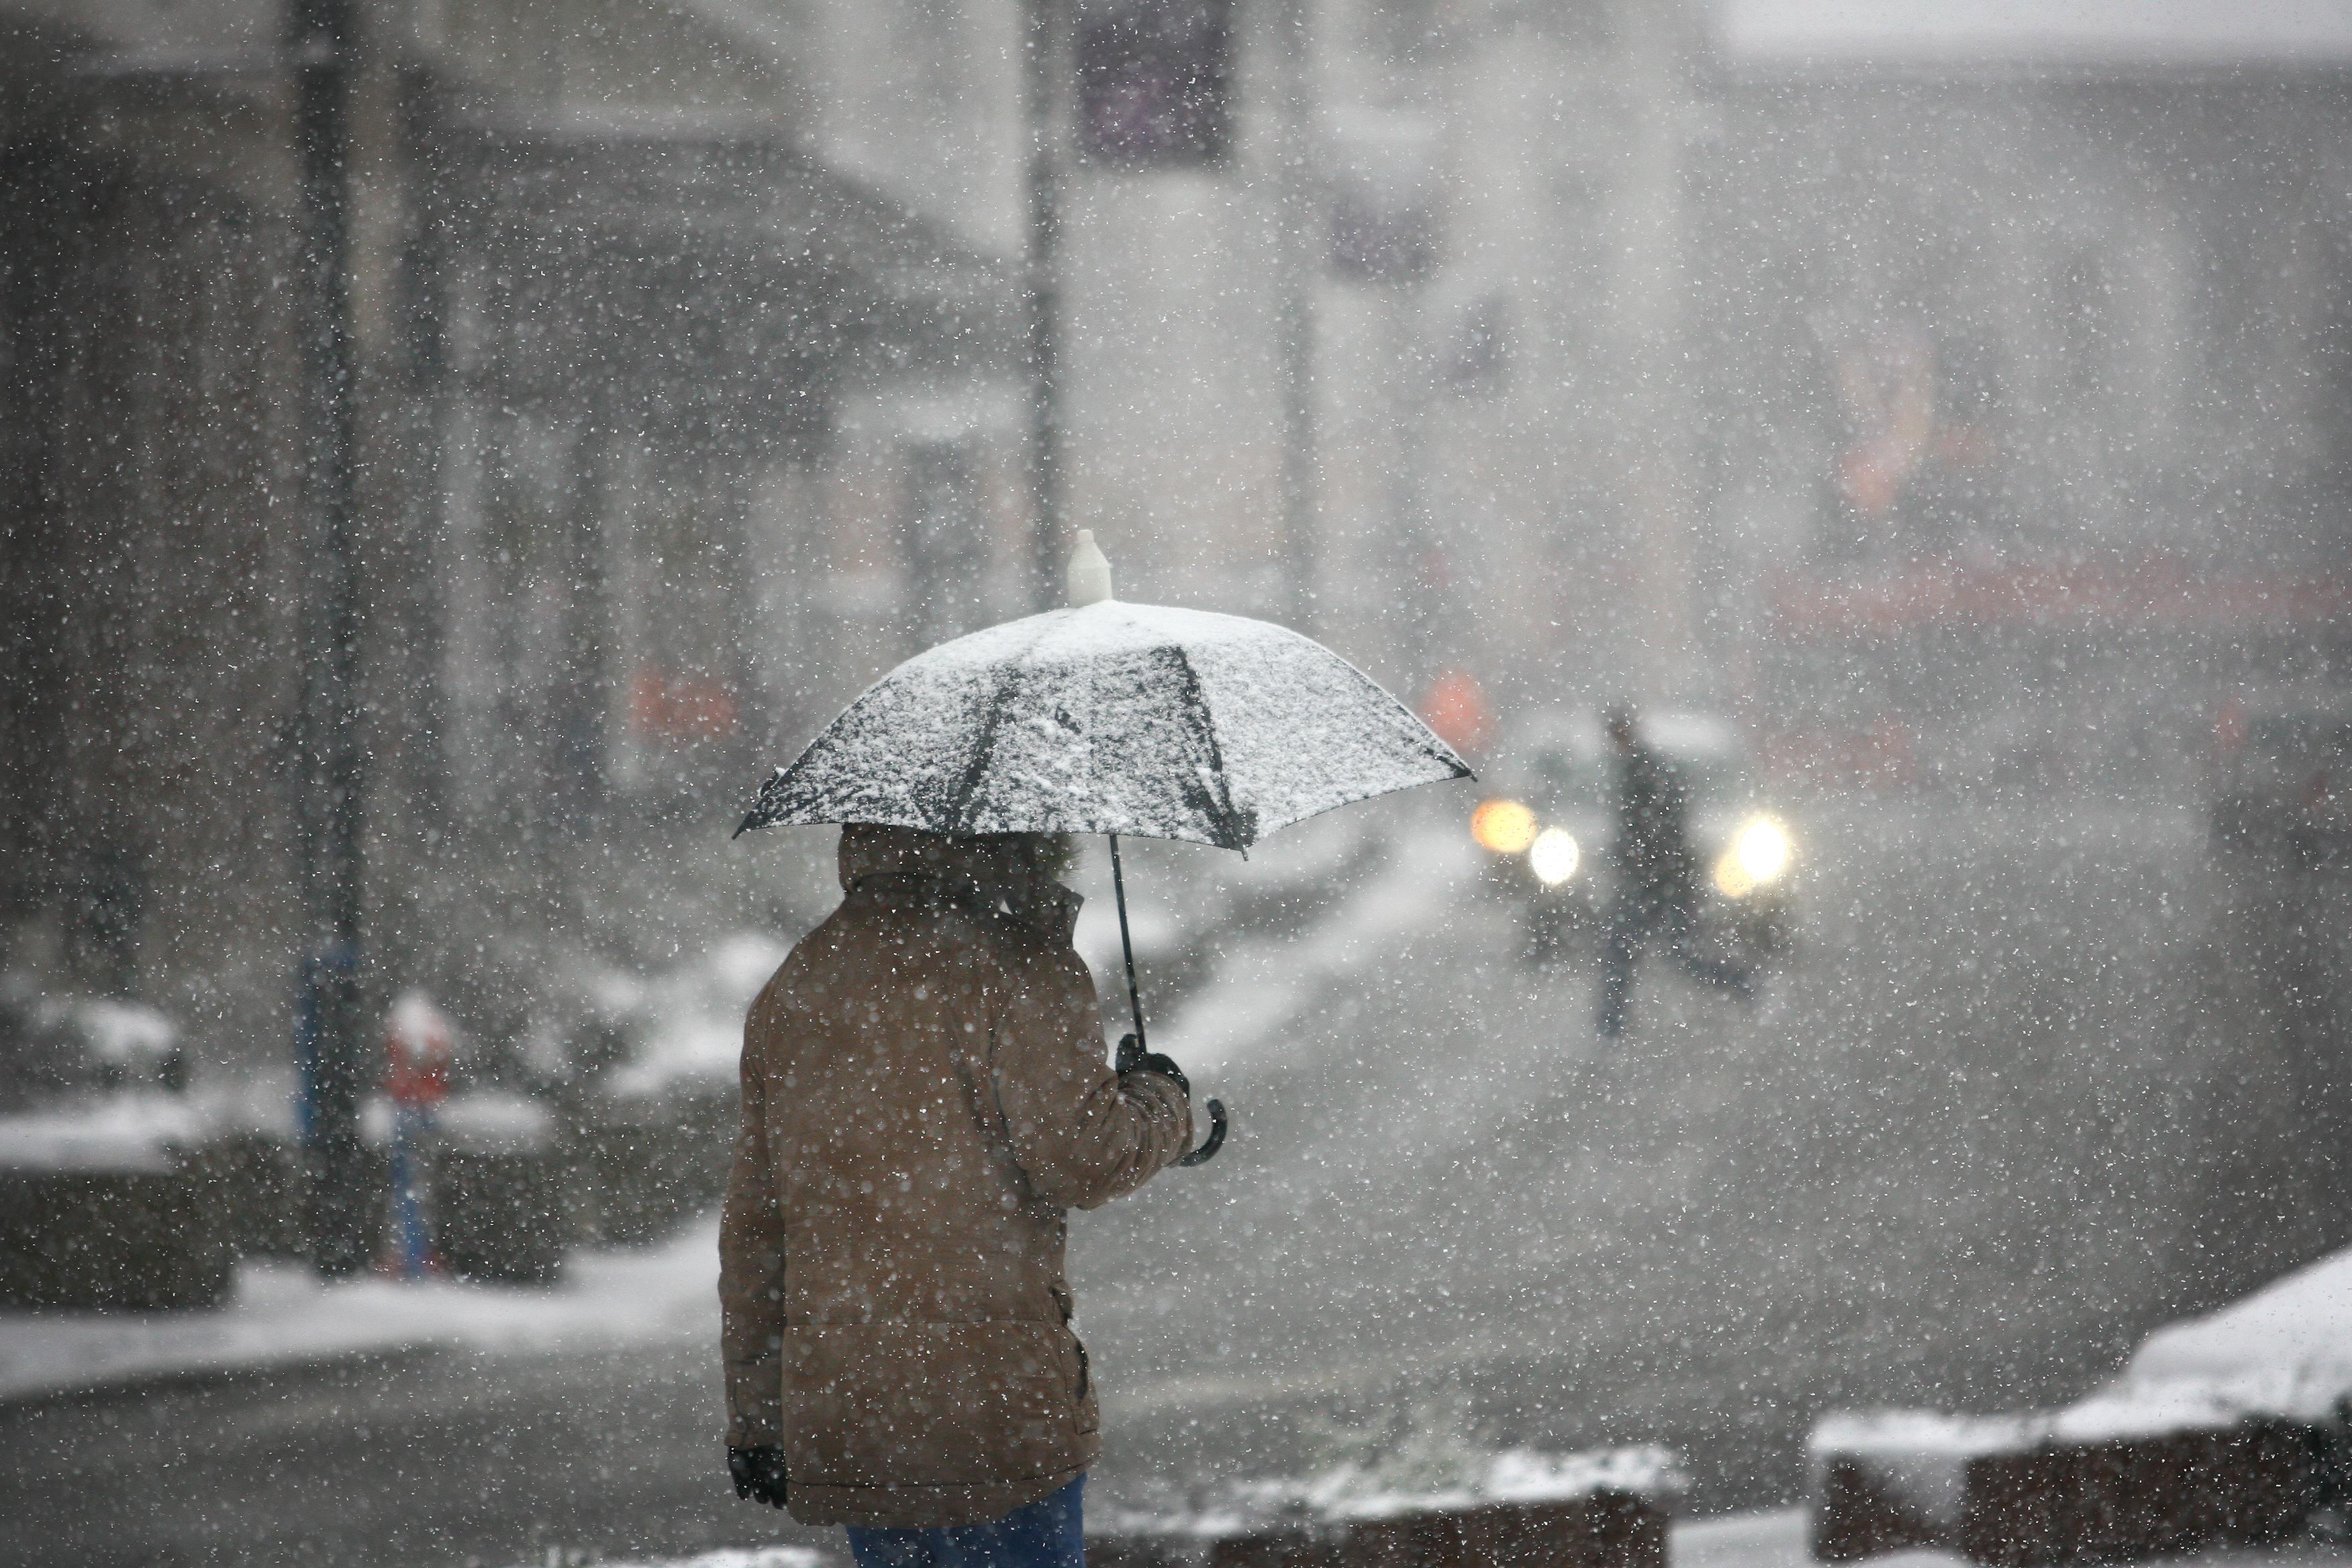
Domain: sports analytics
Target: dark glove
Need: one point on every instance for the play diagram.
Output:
(1133, 1058)
(758, 1474)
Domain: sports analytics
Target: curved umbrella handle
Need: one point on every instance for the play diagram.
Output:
(1214, 1141)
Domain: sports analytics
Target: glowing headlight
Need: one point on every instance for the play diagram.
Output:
(1763, 850)
(1553, 857)
(1505, 826)
(1760, 853)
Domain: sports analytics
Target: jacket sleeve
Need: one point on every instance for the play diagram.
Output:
(752, 1264)
(1081, 1134)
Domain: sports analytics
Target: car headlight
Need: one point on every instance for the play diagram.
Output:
(1505, 826)
(1553, 856)
(1760, 854)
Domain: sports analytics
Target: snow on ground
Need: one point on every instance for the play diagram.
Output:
(1778, 1540)
(2290, 1341)
(1774, 1540)
(725, 1557)
(2284, 1350)
(283, 1315)
(1439, 1474)
(142, 1131)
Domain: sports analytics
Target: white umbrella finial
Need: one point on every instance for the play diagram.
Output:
(1089, 571)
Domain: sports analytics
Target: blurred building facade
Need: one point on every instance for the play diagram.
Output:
(1872, 378)
(609, 310)
(2025, 388)
(1660, 348)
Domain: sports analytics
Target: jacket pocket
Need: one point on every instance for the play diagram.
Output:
(912, 1403)
(1089, 1407)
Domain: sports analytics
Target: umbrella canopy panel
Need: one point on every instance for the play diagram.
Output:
(1113, 717)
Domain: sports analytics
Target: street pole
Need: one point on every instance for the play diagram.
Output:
(1296, 248)
(1048, 59)
(321, 37)
(1650, 316)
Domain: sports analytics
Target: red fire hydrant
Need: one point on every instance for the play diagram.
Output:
(417, 1044)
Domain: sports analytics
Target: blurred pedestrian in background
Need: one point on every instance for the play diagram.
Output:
(925, 1097)
(1658, 876)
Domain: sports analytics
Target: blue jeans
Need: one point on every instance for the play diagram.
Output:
(1047, 1533)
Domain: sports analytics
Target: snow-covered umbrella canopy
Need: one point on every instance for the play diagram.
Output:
(1143, 719)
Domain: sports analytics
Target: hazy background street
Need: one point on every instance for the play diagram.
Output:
(1955, 1155)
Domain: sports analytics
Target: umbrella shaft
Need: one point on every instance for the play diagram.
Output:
(1127, 945)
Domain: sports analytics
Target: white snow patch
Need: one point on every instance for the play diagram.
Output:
(1919, 1431)
(2144, 33)
(1781, 1539)
(282, 1314)
(124, 1032)
(495, 1121)
(135, 1132)
(1355, 1491)
(473, 1122)
(725, 1557)
(2291, 1340)
(1514, 1475)
(2285, 1352)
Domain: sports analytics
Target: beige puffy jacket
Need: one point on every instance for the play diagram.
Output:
(925, 1096)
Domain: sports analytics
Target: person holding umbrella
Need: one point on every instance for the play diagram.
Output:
(925, 1093)
(924, 1098)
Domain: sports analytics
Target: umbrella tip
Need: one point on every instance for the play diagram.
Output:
(1089, 571)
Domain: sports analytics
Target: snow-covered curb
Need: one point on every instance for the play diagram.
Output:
(2286, 1349)
(146, 1133)
(1353, 1493)
(2283, 1353)
(283, 1315)
(2203, 1436)
(725, 1557)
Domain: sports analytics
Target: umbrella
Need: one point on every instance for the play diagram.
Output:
(1113, 717)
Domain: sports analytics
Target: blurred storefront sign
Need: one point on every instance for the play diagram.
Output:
(2156, 591)
(1455, 706)
(680, 709)
(1914, 453)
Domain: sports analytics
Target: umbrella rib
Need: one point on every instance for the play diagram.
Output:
(983, 747)
(984, 751)
(1196, 702)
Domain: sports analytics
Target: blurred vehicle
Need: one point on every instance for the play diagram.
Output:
(1547, 833)
(2282, 793)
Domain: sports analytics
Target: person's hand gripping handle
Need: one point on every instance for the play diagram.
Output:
(1133, 1058)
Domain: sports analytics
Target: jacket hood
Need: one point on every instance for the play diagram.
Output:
(980, 866)
(981, 869)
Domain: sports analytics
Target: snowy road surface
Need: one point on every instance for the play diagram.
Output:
(1987, 1133)
(1765, 1539)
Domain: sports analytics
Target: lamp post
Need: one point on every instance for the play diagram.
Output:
(336, 1061)
(1295, 309)
(1047, 53)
